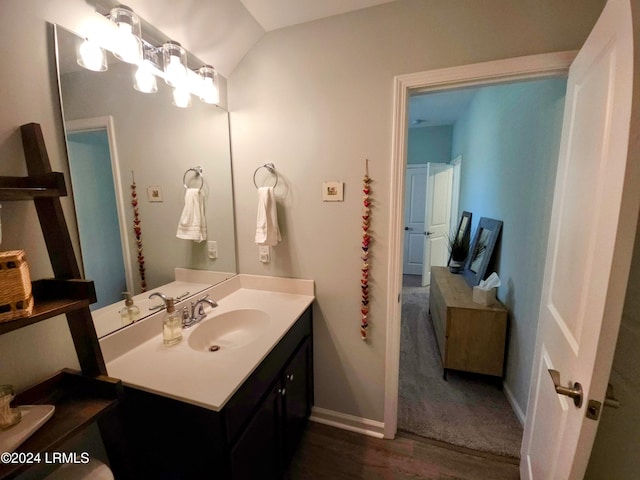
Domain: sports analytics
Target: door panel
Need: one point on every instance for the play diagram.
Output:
(297, 401)
(257, 452)
(415, 195)
(574, 246)
(437, 217)
(583, 285)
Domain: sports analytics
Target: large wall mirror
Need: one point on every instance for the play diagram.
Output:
(117, 135)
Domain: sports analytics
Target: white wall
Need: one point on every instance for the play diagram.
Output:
(316, 99)
(429, 144)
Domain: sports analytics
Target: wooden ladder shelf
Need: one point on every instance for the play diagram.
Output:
(83, 397)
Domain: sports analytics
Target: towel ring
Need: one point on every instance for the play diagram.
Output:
(272, 169)
(198, 172)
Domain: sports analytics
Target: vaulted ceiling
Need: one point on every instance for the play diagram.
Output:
(221, 32)
(275, 14)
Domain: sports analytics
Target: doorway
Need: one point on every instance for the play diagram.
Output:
(475, 195)
(428, 200)
(98, 198)
(506, 115)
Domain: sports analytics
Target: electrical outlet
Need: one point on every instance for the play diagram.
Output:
(264, 253)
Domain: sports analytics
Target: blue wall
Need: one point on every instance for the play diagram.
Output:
(429, 144)
(509, 140)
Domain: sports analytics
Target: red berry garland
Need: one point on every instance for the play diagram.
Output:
(137, 230)
(366, 241)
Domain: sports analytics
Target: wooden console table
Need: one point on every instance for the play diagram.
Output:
(471, 337)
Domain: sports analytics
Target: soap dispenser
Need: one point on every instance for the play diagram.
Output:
(172, 322)
(130, 312)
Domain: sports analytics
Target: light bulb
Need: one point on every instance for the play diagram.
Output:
(144, 79)
(129, 47)
(175, 71)
(181, 97)
(92, 57)
(175, 64)
(208, 89)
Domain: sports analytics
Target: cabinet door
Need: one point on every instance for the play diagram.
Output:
(298, 397)
(257, 454)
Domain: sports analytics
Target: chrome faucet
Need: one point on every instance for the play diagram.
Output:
(193, 314)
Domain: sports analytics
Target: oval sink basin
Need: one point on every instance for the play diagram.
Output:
(229, 330)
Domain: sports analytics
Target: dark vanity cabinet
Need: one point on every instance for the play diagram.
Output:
(269, 440)
(253, 436)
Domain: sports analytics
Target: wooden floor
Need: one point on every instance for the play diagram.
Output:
(334, 454)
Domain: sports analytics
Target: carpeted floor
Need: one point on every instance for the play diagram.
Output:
(467, 410)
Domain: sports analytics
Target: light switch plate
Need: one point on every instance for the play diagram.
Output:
(212, 249)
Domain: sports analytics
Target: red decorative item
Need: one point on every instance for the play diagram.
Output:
(137, 230)
(366, 241)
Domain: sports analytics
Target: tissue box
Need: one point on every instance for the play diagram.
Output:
(483, 296)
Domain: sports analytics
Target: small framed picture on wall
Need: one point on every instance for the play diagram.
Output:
(332, 191)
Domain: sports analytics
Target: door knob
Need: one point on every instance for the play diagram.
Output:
(574, 392)
(428, 233)
(407, 228)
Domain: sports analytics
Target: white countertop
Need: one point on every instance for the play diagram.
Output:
(137, 356)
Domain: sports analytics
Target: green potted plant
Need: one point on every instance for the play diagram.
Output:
(458, 251)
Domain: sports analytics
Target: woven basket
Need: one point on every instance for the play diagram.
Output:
(16, 300)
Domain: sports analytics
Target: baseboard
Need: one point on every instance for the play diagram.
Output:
(352, 423)
(514, 404)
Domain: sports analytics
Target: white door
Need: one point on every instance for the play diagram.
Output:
(590, 239)
(414, 205)
(437, 217)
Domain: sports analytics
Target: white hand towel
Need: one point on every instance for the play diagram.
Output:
(193, 224)
(267, 231)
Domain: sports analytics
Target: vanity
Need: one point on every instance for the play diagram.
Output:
(235, 412)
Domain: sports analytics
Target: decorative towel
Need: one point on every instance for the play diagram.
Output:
(193, 224)
(267, 231)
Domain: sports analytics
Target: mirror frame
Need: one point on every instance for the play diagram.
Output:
(494, 227)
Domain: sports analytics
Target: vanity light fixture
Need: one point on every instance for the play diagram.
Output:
(167, 61)
(175, 64)
(91, 56)
(209, 92)
(128, 45)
